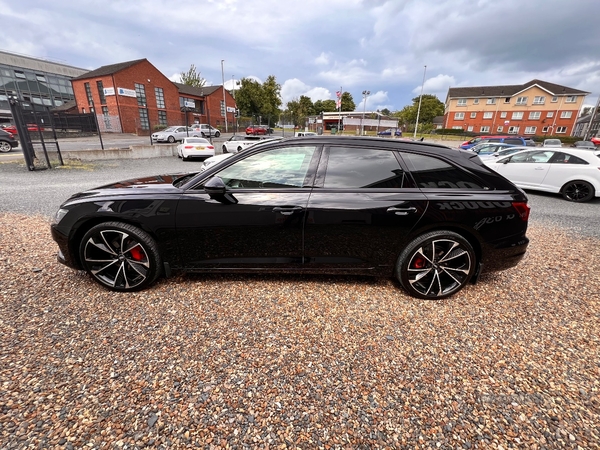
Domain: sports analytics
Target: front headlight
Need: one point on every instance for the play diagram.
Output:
(60, 214)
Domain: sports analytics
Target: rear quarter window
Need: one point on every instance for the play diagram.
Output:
(434, 173)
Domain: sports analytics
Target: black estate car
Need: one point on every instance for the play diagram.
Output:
(431, 216)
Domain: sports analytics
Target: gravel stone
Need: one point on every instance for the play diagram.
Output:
(271, 361)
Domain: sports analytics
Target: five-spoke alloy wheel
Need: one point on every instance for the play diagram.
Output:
(120, 256)
(436, 265)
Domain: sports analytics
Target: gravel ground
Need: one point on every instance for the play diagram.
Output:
(299, 362)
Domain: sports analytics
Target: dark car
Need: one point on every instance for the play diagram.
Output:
(431, 216)
(589, 145)
(510, 139)
(257, 129)
(389, 132)
(7, 141)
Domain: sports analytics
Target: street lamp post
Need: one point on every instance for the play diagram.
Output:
(224, 101)
(419, 108)
(362, 124)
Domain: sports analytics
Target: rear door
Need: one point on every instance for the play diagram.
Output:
(362, 208)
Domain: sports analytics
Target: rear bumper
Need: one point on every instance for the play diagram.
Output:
(504, 254)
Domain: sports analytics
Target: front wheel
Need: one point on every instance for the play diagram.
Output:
(217, 134)
(578, 191)
(224, 148)
(120, 257)
(5, 147)
(436, 265)
(171, 139)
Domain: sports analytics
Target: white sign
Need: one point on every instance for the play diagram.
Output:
(126, 92)
(230, 109)
(109, 91)
(188, 104)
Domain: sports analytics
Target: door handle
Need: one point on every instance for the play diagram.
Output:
(402, 211)
(287, 211)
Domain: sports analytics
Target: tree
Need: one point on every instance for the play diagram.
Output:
(324, 106)
(385, 112)
(261, 101)
(431, 107)
(347, 102)
(192, 77)
(271, 100)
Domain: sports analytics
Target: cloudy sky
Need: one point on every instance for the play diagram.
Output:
(316, 47)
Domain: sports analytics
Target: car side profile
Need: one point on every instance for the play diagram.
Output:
(7, 141)
(174, 134)
(239, 142)
(432, 217)
(257, 129)
(206, 130)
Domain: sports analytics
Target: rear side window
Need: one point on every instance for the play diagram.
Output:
(513, 141)
(564, 158)
(351, 168)
(434, 173)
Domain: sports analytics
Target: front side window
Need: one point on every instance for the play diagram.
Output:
(532, 157)
(277, 168)
(433, 173)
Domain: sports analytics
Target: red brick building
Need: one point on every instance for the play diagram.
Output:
(135, 97)
(533, 108)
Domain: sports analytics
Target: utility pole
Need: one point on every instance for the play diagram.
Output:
(224, 101)
(419, 108)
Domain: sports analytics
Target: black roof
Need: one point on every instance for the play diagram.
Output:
(109, 70)
(510, 90)
(197, 91)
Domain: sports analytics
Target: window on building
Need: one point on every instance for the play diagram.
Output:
(517, 115)
(550, 114)
(144, 123)
(513, 130)
(476, 101)
(506, 99)
(105, 110)
(571, 99)
(539, 100)
(140, 93)
(534, 115)
(491, 101)
(554, 99)
(461, 102)
(485, 129)
(566, 114)
(459, 116)
(561, 130)
(88, 93)
(41, 78)
(503, 115)
(499, 129)
(160, 97)
(100, 87)
(162, 118)
(470, 128)
(530, 130)
(488, 115)
(457, 127)
(521, 101)
(19, 74)
(473, 115)
(545, 129)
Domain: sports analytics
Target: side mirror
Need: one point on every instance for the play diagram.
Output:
(217, 190)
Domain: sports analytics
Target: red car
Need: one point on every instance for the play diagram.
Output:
(595, 140)
(257, 129)
(13, 129)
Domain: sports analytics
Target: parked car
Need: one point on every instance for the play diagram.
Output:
(555, 143)
(195, 147)
(595, 140)
(305, 133)
(389, 132)
(173, 134)
(489, 147)
(206, 130)
(238, 142)
(214, 160)
(7, 141)
(510, 139)
(574, 173)
(13, 129)
(584, 144)
(530, 142)
(505, 151)
(257, 129)
(431, 216)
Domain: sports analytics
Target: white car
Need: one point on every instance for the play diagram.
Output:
(195, 147)
(554, 143)
(571, 172)
(172, 134)
(239, 142)
(500, 152)
(305, 133)
(206, 130)
(213, 160)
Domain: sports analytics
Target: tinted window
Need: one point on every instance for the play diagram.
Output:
(278, 168)
(513, 141)
(431, 172)
(565, 158)
(351, 168)
(532, 157)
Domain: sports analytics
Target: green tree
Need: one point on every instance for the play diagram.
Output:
(348, 102)
(192, 77)
(385, 112)
(324, 106)
(249, 97)
(271, 100)
(431, 107)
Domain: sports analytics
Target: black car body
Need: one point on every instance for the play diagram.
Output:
(432, 216)
(7, 141)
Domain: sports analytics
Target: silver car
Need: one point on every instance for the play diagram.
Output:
(172, 134)
(206, 130)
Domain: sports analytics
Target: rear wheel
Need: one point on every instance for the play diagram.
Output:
(217, 134)
(5, 147)
(120, 257)
(436, 265)
(578, 191)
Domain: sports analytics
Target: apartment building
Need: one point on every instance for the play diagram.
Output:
(534, 108)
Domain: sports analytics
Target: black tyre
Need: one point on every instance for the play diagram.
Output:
(5, 147)
(203, 135)
(171, 139)
(436, 265)
(578, 191)
(217, 134)
(120, 257)
(224, 148)
(239, 149)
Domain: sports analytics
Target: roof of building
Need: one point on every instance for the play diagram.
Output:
(510, 90)
(109, 70)
(197, 91)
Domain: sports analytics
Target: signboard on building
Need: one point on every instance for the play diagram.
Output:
(230, 109)
(189, 104)
(109, 91)
(126, 92)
